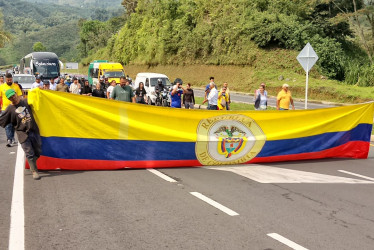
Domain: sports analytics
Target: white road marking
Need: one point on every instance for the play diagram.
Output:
(12, 153)
(214, 204)
(161, 175)
(267, 174)
(358, 175)
(286, 241)
(17, 214)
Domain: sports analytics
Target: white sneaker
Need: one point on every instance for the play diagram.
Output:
(8, 143)
(14, 142)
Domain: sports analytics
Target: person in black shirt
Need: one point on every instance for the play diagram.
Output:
(159, 87)
(86, 90)
(188, 97)
(140, 94)
(98, 92)
(19, 114)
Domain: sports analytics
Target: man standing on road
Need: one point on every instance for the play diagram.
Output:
(176, 94)
(284, 99)
(46, 85)
(123, 92)
(62, 87)
(37, 83)
(9, 130)
(53, 84)
(212, 97)
(86, 90)
(19, 115)
(189, 97)
(207, 90)
(75, 87)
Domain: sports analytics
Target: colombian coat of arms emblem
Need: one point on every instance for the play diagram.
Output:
(228, 139)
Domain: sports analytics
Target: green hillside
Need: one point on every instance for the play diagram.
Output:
(56, 26)
(81, 3)
(218, 32)
(247, 42)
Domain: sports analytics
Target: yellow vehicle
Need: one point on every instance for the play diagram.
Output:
(112, 71)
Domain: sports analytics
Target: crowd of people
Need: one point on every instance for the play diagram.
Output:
(16, 115)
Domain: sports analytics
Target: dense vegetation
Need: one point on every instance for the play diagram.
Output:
(55, 26)
(237, 32)
(81, 3)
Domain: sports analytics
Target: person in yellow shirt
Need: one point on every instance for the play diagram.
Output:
(9, 129)
(223, 99)
(226, 85)
(284, 99)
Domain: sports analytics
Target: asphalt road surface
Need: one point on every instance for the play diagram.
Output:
(272, 101)
(303, 205)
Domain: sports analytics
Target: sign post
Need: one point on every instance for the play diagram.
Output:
(307, 58)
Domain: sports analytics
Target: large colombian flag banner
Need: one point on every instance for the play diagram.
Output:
(88, 133)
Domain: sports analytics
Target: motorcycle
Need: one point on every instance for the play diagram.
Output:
(163, 99)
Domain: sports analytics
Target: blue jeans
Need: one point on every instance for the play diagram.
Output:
(9, 130)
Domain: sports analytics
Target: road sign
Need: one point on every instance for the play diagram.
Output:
(307, 58)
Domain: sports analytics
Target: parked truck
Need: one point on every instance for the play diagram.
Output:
(105, 69)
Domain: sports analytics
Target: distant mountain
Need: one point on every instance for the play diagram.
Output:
(56, 26)
(81, 3)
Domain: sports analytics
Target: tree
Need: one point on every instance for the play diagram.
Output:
(38, 47)
(130, 6)
(357, 12)
(4, 36)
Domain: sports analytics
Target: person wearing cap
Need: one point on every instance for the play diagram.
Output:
(9, 130)
(123, 92)
(19, 115)
(284, 98)
(75, 87)
(46, 85)
(62, 87)
(176, 94)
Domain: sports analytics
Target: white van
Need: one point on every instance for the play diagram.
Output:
(150, 82)
(26, 80)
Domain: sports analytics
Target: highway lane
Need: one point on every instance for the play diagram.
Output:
(136, 209)
(246, 98)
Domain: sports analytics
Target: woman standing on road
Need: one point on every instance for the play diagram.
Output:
(140, 94)
(261, 101)
(98, 92)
